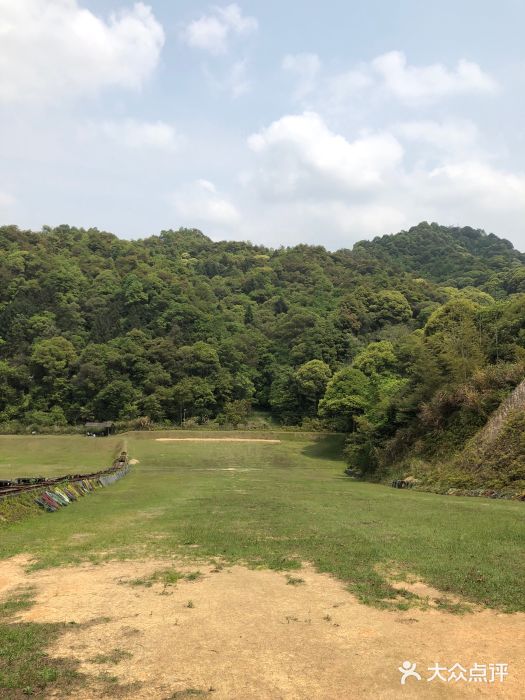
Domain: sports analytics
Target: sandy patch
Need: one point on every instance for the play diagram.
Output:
(81, 536)
(251, 635)
(12, 574)
(231, 469)
(134, 461)
(226, 439)
(426, 592)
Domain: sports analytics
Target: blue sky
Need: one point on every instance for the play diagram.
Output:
(276, 122)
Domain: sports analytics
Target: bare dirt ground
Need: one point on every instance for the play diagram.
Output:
(252, 635)
(222, 439)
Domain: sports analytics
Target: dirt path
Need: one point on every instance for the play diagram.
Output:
(250, 635)
(193, 439)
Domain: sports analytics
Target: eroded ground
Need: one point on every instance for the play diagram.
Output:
(235, 633)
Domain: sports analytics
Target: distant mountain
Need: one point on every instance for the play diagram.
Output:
(451, 256)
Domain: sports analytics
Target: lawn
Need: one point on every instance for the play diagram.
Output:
(270, 505)
(49, 455)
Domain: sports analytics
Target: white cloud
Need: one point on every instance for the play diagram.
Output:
(344, 86)
(444, 135)
(306, 68)
(332, 223)
(300, 153)
(478, 184)
(309, 183)
(213, 32)
(415, 83)
(134, 134)
(54, 47)
(467, 193)
(386, 76)
(451, 139)
(234, 18)
(200, 204)
(236, 81)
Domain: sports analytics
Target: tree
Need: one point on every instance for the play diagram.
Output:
(53, 358)
(390, 306)
(283, 397)
(235, 412)
(311, 380)
(199, 360)
(116, 400)
(193, 396)
(452, 334)
(376, 358)
(193, 325)
(347, 396)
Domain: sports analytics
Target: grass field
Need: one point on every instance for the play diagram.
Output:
(270, 505)
(265, 505)
(50, 455)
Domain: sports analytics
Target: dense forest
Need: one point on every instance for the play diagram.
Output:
(406, 343)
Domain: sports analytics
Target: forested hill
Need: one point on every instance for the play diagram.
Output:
(407, 340)
(450, 255)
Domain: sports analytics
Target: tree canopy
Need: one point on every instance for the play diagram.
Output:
(177, 326)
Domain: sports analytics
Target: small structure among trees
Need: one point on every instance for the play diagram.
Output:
(103, 428)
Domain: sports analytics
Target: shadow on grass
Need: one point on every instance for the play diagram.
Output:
(326, 447)
(26, 668)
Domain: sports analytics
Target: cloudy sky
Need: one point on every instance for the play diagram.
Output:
(275, 122)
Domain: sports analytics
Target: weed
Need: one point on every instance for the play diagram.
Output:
(146, 582)
(169, 577)
(190, 693)
(193, 576)
(107, 678)
(456, 608)
(113, 657)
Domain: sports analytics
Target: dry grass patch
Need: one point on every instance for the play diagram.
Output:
(247, 635)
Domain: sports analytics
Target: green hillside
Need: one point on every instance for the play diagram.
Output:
(453, 256)
(407, 343)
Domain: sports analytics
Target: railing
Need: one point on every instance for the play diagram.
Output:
(105, 477)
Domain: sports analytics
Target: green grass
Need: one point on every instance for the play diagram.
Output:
(53, 455)
(189, 693)
(168, 577)
(114, 657)
(277, 506)
(25, 668)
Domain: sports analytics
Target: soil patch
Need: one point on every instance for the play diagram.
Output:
(249, 634)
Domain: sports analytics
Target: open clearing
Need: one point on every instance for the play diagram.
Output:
(259, 572)
(249, 634)
(49, 455)
(218, 439)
